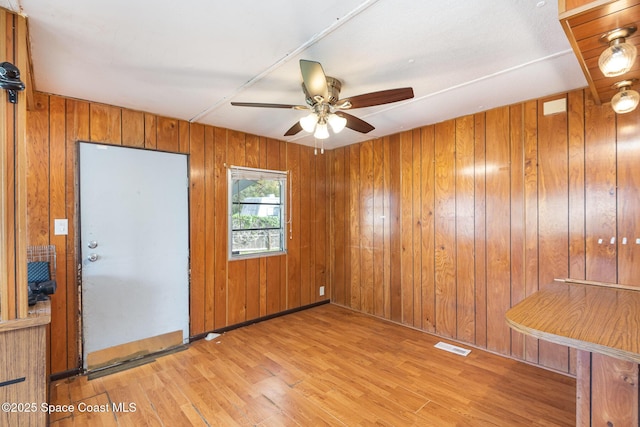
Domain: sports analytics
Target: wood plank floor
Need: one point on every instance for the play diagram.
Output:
(322, 366)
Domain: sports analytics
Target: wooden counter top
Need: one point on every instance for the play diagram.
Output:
(39, 314)
(592, 318)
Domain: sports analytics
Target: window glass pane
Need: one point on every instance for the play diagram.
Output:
(246, 221)
(256, 212)
(245, 190)
(257, 241)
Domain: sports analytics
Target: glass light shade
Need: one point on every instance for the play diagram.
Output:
(625, 101)
(322, 132)
(618, 58)
(337, 123)
(308, 123)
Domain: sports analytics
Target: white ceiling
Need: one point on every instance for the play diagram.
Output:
(189, 59)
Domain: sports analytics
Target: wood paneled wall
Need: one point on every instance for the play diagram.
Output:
(441, 228)
(13, 188)
(445, 227)
(222, 293)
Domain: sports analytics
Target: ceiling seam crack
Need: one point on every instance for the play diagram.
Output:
(314, 39)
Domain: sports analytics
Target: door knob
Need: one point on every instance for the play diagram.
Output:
(93, 257)
(92, 244)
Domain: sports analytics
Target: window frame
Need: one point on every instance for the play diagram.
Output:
(236, 173)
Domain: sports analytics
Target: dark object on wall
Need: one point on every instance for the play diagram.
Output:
(40, 283)
(10, 80)
(38, 271)
(39, 291)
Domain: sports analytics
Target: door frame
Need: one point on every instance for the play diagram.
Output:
(79, 249)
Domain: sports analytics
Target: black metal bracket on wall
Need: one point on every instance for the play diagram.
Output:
(10, 81)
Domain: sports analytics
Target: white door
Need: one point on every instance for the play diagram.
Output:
(135, 245)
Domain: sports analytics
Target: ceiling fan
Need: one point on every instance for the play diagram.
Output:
(325, 106)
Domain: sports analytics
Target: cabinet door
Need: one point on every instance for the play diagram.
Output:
(22, 369)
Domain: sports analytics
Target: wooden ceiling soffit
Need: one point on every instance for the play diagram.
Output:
(584, 23)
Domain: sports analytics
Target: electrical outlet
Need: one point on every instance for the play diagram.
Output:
(321, 291)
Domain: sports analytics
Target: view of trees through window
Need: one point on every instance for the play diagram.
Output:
(257, 225)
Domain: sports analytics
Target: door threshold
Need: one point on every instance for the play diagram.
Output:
(133, 363)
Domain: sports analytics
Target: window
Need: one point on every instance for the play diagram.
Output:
(256, 212)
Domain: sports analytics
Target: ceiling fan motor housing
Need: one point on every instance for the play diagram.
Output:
(333, 87)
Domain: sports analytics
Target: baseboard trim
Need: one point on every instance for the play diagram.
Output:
(258, 320)
(65, 374)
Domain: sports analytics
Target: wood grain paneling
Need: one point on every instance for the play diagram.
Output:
(490, 208)
(13, 178)
(379, 219)
(105, 124)
(306, 198)
(617, 382)
(406, 227)
(518, 282)
(427, 232)
(353, 215)
(442, 228)
(553, 207)
(197, 242)
(338, 225)
(322, 238)
(480, 218)
(22, 356)
(206, 137)
(417, 226)
(628, 200)
(465, 274)
(600, 192)
(293, 242)
(222, 293)
(498, 178)
(57, 209)
(445, 229)
(77, 129)
(133, 128)
(366, 226)
(395, 178)
(168, 135)
(531, 258)
(220, 220)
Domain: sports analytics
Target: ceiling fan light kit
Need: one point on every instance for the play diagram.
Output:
(336, 122)
(308, 123)
(322, 131)
(322, 95)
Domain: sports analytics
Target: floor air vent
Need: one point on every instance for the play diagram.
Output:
(452, 348)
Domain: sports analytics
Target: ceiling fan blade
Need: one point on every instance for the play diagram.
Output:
(378, 98)
(314, 79)
(294, 129)
(355, 123)
(265, 105)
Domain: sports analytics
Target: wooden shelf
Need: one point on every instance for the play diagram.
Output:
(39, 314)
(584, 24)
